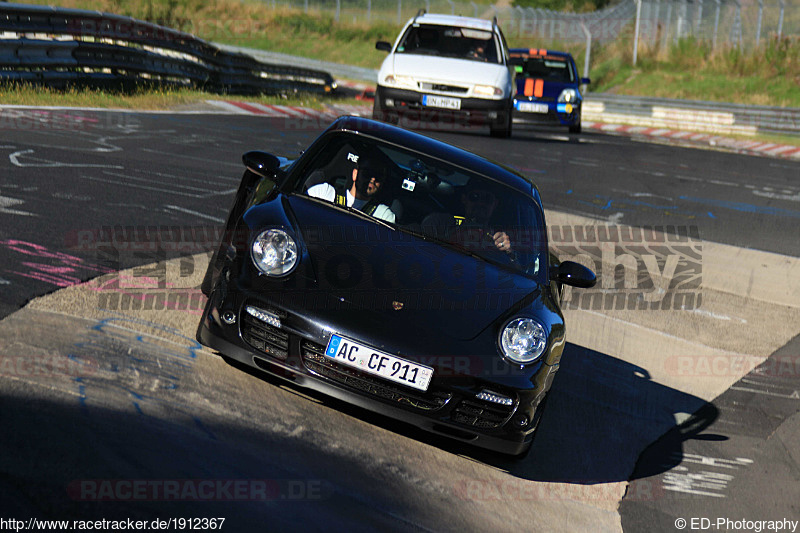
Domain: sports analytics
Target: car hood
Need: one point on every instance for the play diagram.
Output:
(452, 71)
(389, 282)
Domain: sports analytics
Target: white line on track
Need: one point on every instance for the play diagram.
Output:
(794, 396)
(187, 178)
(145, 187)
(44, 163)
(171, 154)
(150, 181)
(195, 213)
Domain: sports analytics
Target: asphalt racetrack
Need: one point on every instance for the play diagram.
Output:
(115, 412)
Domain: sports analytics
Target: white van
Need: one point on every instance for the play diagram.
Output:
(454, 70)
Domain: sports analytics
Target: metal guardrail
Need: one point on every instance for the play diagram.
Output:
(58, 47)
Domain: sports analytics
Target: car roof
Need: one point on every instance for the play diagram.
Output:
(454, 20)
(535, 52)
(447, 152)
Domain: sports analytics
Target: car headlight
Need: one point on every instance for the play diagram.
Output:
(523, 340)
(274, 252)
(568, 96)
(487, 90)
(392, 79)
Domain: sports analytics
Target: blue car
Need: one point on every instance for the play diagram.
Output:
(548, 88)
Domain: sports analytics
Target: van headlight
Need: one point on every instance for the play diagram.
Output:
(274, 252)
(487, 90)
(523, 340)
(392, 79)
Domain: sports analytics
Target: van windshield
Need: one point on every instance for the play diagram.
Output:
(451, 41)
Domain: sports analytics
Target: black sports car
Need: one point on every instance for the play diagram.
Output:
(398, 273)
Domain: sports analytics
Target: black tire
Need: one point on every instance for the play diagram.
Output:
(377, 110)
(539, 412)
(379, 113)
(576, 128)
(504, 130)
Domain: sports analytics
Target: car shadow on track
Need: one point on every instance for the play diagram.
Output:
(602, 413)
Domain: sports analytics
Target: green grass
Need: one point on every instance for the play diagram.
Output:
(149, 99)
(692, 70)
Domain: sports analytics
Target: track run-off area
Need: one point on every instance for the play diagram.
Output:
(681, 405)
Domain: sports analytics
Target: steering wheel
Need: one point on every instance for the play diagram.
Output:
(479, 240)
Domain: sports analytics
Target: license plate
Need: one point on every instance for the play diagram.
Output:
(441, 101)
(356, 355)
(531, 107)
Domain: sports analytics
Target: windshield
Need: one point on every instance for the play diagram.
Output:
(450, 41)
(550, 68)
(428, 197)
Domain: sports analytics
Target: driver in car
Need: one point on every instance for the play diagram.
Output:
(361, 191)
(479, 205)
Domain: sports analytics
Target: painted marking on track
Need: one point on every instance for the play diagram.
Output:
(645, 195)
(583, 163)
(6, 203)
(716, 461)
(745, 207)
(146, 187)
(701, 483)
(778, 196)
(128, 177)
(45, 163)
(4, 282)
(195, 213)
(704, 482)
(795, 395)
(182, 156)
(720, 182)
(204, 180)
(718, 316)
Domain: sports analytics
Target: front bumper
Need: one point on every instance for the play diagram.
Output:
(294, 352)
(408, 103)
(557, 114)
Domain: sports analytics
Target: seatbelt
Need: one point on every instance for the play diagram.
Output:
(368, 208)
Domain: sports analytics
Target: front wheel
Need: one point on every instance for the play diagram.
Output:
(379, 113)
(504, 129)
(576, 128)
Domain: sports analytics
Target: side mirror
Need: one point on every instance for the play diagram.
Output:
(585, 81)
(575, 274)
(383, 46)
(261, 163)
